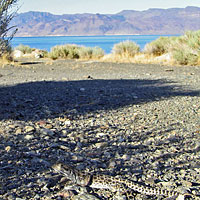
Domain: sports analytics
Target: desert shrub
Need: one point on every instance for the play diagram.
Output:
(64, 51)
(75, 52)
(44, 53)
(24, 48)
(126, 49)
(186, 49)
(98, 52)
(193, 39)
(91, 52)
(185, 57)
(159, 46)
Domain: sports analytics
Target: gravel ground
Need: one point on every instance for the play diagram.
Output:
(138, 121)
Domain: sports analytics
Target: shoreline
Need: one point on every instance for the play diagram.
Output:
(25, 36)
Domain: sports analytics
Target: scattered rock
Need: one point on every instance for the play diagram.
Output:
(46, 132)
(29, 129)
(29, 137)
(18, 131)
(17, 54)
(8, 148)
(164, 57)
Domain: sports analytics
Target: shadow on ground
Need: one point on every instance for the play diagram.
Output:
(39, 100)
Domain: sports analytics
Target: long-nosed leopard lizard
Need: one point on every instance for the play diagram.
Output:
(114, 184)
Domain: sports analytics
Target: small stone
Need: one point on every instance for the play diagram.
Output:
(112, 164)
(68, 122)
(64, 132)
(41, 123)
(64, 147)
(82, 89)
(29, 129)
(17, 54)
(29, 137)
(126, 157)
(54, 145)
(77, 158)
(11, 126)
(45, 188)
(101, 144)
(1, 131)
(45, 131)
(48, 126)
(46, 137)
(8, 148)
(180, 197)
(18, 131)
(80, 167)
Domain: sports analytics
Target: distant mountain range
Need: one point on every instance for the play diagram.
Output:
(152, 21)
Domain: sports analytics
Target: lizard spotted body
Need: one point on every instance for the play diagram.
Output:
(114, 184)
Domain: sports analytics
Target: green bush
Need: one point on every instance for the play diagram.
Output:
(159, 46)
(193, 39)
(24, 49)
(75, 52)
(91, 52)
(126, 49)
(186, 49)
(98, 52)
(185, 57)
(64, 51)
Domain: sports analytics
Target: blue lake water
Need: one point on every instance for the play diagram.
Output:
(105, 42)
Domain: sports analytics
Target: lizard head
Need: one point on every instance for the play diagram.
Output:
(72, 174)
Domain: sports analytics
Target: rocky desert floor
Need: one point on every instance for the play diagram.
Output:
(141, 122)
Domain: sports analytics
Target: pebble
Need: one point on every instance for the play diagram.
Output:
(29, 137)
(82, 89)
(101, 144)
(67, 122)
(29, 129)
(8, 148)
(18, 131)
(48, 126)
(126, 157)
(46, 132)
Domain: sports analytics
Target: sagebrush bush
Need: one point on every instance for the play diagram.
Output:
(185, 57)
(186, 49)
(98, 52)
(193, 39)
(75, 52)
(24, 48)
(91, 53)
(159, 46)
(64, 51)
(126, 49)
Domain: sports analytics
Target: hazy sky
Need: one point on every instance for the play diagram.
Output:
(100, 6)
